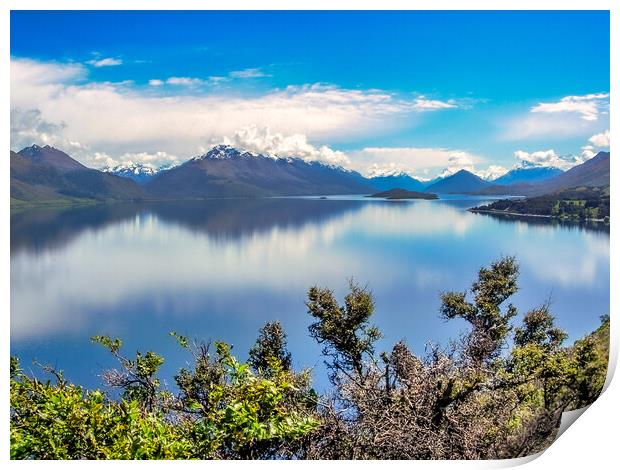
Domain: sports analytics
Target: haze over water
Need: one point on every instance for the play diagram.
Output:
(220, 269)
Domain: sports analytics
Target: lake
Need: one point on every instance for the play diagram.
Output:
(220, 269)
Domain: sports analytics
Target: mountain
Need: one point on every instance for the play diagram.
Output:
(592, 173)
(48, 175)
(137, 172)
(461, 182)
(50, 157)
(227, 172)
(527, 175)
(400, 180)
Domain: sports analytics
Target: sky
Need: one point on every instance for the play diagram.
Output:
(427, 93)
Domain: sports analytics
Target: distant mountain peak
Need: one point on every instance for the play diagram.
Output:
(527, 174)
(225, 152)
(461, 182)
(34, 148)
(132, 167)
(228, 152)
(386, 172)
(139, 172)
(464, 172)
(228, 171)
(50, 156)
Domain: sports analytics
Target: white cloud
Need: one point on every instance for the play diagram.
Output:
(458, 161)
(587, 107)
(28, 127)
(262, 140)
(569, 117)
(415, 161)
(465, 161)
(564, 162)
(549, 158)
(184, 81)
(248, 73)
(587, 152)
(423, 103)
(216, 79)
(183, 123)
(386, 169)
(190, 82)
(492, 172)
(600, 140)
(28, 72)
(106, 62)
(213, 80)
(154, 160)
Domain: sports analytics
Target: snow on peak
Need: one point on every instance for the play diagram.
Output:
(139, 172)
(385, 172)
(224, 152)
(228, 152)
(131, 167)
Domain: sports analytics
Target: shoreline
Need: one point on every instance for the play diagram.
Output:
(519, 214)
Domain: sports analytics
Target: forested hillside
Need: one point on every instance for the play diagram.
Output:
(581, 203)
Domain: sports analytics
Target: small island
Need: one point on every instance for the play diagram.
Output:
(398, 193)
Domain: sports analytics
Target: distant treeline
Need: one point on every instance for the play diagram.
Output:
(499, 391)
(583, 203)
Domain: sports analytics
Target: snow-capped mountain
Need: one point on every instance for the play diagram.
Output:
(528, 175)
(225, 171)
(228, 152)
(225, 152)
(137, 172)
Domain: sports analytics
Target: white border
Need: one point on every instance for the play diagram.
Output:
(591, 443)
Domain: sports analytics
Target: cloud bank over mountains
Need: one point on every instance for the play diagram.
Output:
(168, 120)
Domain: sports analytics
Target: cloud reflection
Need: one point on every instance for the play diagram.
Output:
(188, 259)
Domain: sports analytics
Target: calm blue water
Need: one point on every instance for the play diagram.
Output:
(220, 269)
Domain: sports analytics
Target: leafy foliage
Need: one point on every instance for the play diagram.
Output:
(343, 330)
(224, 410)
(271, 344)
(490, 326)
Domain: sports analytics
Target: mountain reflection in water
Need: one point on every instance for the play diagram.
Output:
(220, 269)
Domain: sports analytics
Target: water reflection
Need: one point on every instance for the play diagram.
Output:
(549, 222)
(220, 269)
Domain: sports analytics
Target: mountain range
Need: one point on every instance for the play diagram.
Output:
(227, 172)
(45, 174)
(594, 172)
(528, 175)
(137, 172)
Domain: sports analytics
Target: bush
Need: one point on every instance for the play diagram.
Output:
(223, 410)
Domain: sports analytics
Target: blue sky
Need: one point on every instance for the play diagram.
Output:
(425, 92)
